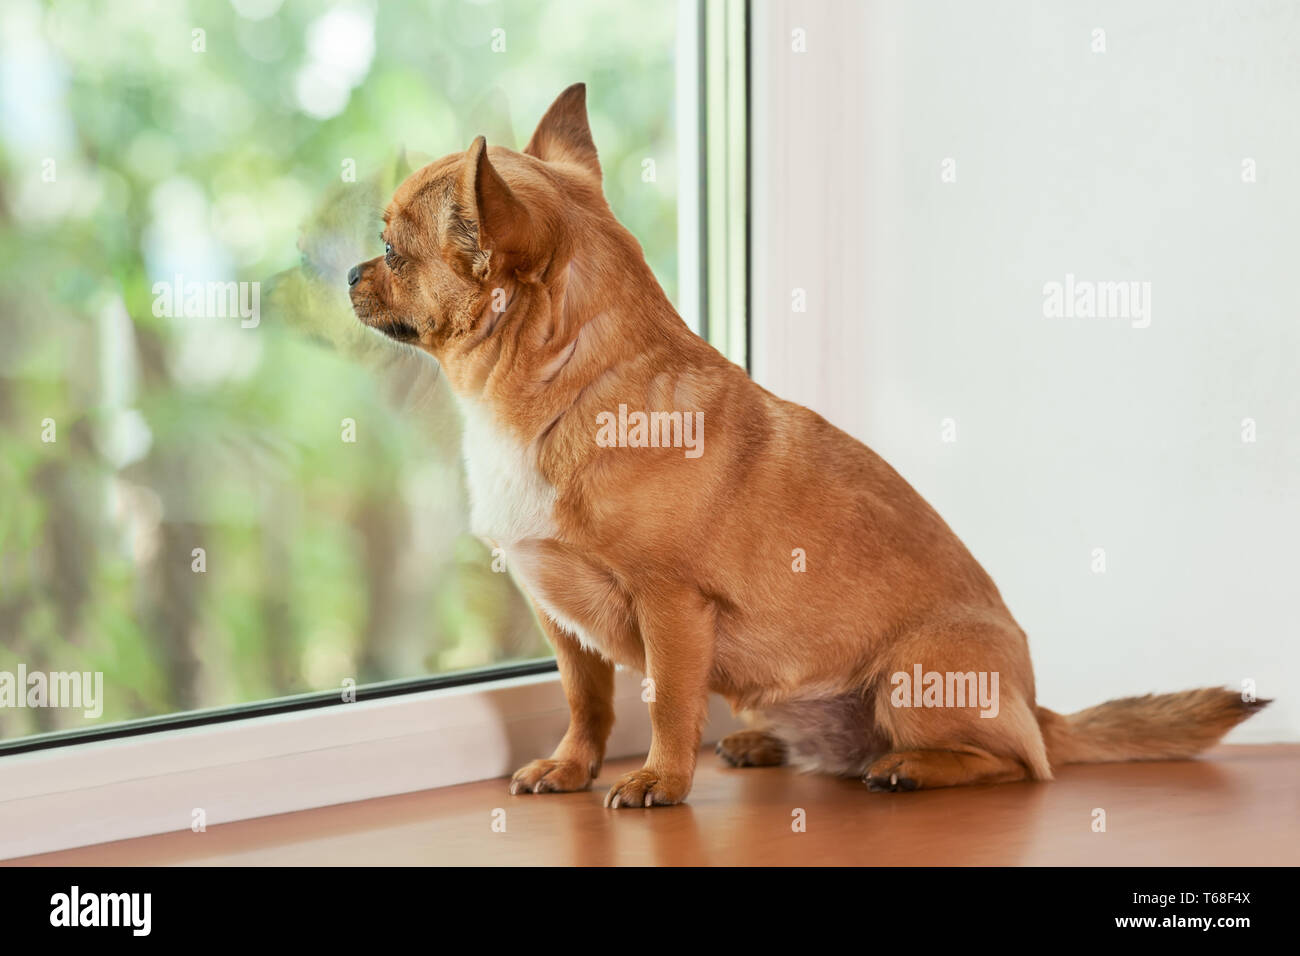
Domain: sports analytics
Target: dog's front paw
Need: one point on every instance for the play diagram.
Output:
(648, 788)
(552, 776)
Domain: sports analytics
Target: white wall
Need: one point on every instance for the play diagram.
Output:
(925, 302)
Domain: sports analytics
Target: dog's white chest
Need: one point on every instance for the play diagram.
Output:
(510, 500)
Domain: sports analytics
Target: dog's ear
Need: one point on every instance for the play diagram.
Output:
(489, 217)
(563, 135)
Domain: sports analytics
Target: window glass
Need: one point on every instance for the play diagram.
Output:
(215, 488)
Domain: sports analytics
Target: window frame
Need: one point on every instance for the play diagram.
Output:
(102, 791)
(147, 770)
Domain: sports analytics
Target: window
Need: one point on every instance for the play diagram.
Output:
(216, 490)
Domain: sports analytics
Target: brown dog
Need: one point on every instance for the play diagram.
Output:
(780, 563)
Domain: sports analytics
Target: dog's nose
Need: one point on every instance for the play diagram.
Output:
(354, 275)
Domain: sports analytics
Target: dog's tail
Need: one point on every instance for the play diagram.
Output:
(1154, 727)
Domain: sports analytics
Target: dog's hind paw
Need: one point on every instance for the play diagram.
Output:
(751, 748)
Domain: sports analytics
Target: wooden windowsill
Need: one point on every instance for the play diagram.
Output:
(1236, 807)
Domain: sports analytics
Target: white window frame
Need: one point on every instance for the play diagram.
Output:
(812, 63)
(80, 794)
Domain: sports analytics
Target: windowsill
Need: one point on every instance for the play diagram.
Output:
(119, 789)
(743, 817)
